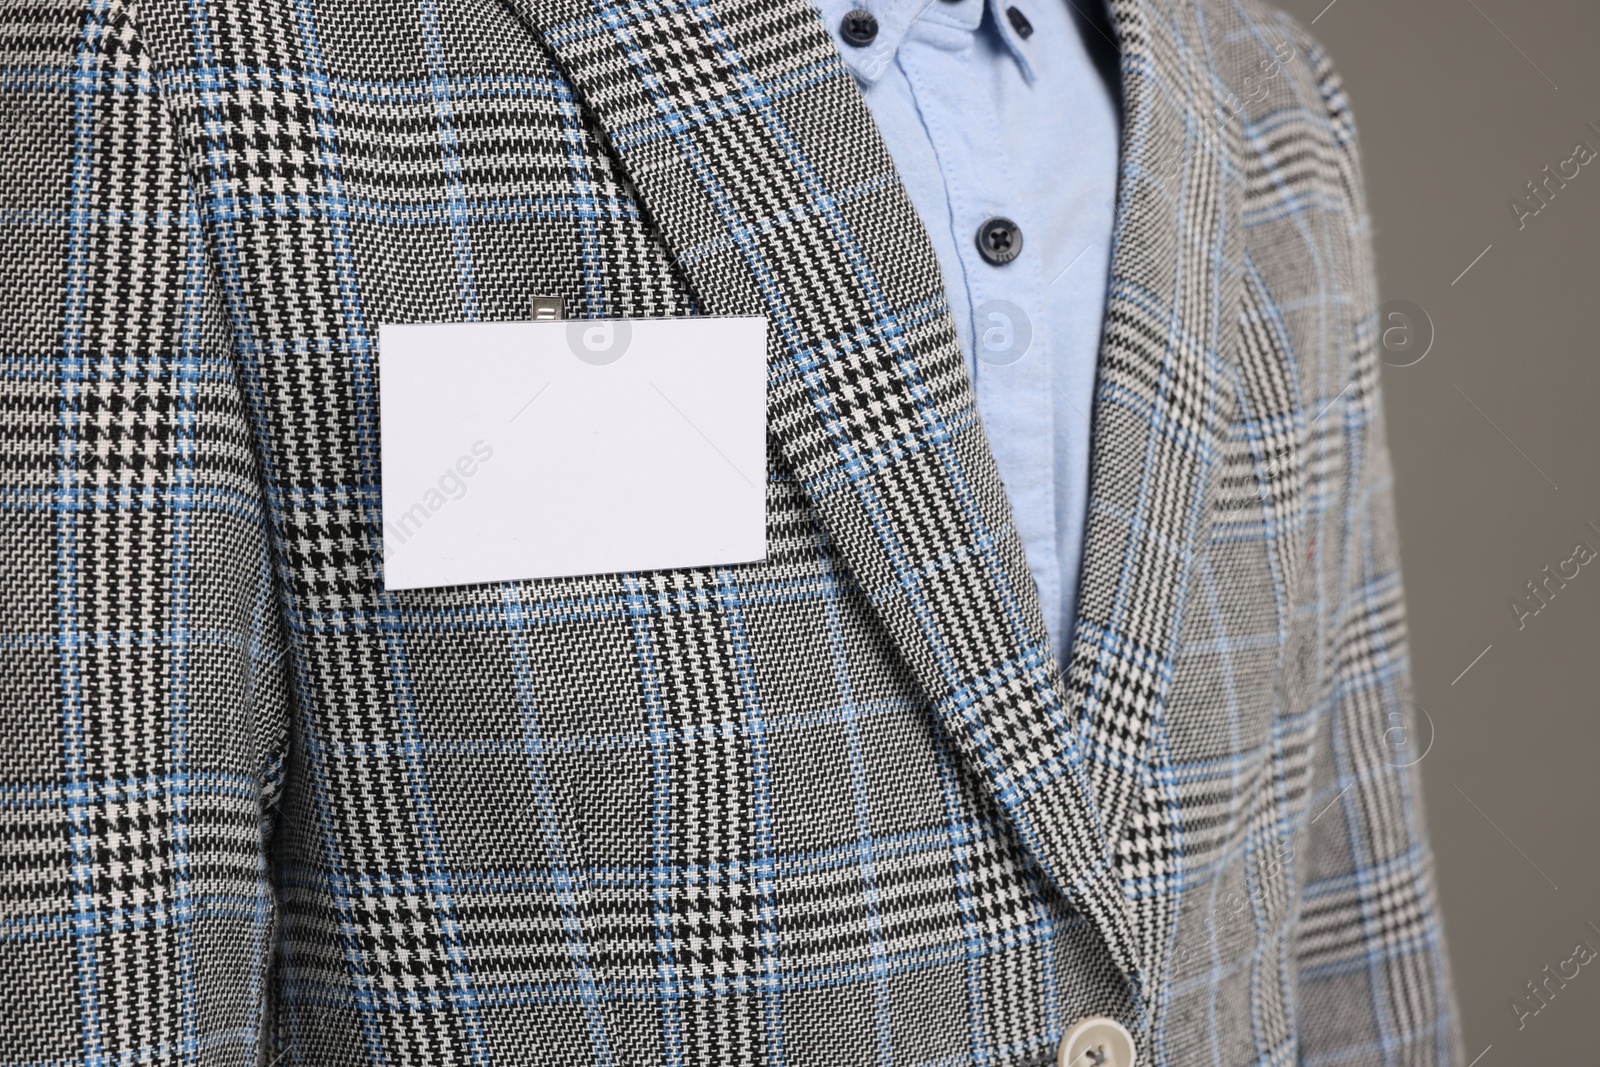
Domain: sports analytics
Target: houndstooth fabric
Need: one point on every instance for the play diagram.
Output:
(838, 807)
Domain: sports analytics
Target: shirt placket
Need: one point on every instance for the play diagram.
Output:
(1008, 341)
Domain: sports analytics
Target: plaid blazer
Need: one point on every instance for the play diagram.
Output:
(838, 807)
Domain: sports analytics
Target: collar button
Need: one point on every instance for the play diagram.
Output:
(858, 28)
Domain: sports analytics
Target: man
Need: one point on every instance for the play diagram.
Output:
(1086, 747)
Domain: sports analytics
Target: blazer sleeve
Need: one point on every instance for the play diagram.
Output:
(143, 658)
(1374, 983)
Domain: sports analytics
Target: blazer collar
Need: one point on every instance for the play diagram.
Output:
(754, 154)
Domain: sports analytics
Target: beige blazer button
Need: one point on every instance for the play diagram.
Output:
(1096, 1042)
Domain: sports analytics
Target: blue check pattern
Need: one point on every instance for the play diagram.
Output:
(840, 806)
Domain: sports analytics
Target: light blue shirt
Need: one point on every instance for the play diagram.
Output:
(982, 121)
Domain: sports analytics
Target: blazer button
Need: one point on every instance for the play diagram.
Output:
(859, 28)
(999, 241)
(1096, 1042)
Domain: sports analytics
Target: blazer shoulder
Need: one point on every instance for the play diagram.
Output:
(1254, 44)
(1279, 90)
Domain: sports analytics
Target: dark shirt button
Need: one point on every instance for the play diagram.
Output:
(859, 28)
(999, 241)
(1020, 23)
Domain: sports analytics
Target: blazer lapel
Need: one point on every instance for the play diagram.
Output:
(1159, 402)
(755, 156)
(753, 153)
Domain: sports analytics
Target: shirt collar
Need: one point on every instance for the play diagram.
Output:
(942, 21)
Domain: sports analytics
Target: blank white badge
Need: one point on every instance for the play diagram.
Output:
(588, 446)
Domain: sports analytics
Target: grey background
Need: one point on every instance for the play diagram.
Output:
(1460, 103)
